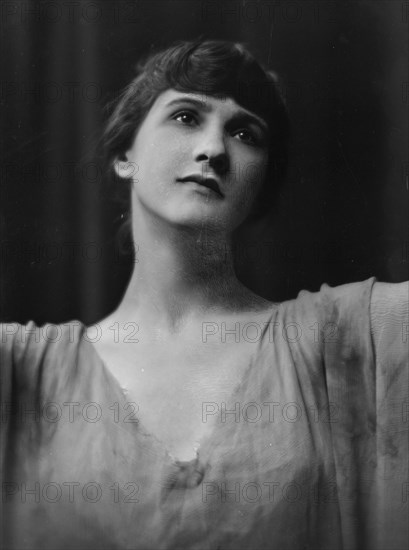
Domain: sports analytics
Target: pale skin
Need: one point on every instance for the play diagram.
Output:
(184, 276)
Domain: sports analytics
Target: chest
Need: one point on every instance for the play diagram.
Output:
(176, 393)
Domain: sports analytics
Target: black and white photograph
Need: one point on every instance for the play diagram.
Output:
(204, 266)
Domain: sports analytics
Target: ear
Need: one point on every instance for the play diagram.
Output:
(124, 168)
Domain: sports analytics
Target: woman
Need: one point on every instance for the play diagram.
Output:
(199, 415)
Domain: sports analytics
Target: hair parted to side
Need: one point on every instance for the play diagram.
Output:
(214, 68)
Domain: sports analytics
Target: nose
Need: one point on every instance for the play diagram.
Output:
(211, 149)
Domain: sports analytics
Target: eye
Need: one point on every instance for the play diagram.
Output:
(186, 118)
(247, 136)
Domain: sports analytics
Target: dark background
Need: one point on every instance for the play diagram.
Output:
(343, 216)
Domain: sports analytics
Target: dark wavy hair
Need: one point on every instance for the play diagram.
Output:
(214, 68)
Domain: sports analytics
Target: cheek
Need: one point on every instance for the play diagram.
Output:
(251, 174)
(165, 155)
(159, 162)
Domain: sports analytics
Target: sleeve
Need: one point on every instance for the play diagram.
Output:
(35, 365)
(366, 369)
(390, 334)
(14, 344)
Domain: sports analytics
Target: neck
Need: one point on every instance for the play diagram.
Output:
(180, 273)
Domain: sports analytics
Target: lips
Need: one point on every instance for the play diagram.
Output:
(210, 183)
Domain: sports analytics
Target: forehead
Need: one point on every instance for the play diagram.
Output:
(223, 106)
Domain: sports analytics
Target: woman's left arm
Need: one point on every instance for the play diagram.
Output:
(390, 328)
(390, 335)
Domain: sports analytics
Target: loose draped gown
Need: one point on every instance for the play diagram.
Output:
(310, 452)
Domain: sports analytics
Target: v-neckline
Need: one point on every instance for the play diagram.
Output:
(204, 447)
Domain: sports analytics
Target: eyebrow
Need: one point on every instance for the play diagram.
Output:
(240, 114)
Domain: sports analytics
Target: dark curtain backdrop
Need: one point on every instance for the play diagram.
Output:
(343, 215)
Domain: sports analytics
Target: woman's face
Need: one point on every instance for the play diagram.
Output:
(197, 161)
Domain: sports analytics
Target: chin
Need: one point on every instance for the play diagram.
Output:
(195, 216)
(198, 214)
(209, 222)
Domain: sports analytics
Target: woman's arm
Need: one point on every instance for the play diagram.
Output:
(390, 334)
(389, 321)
